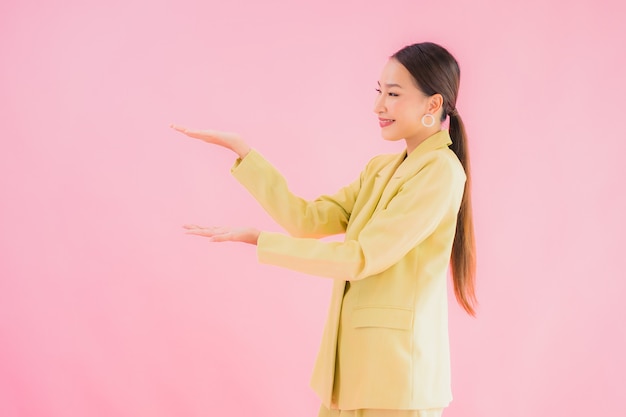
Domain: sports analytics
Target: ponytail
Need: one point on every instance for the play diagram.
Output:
(463, 259)
(435, 71)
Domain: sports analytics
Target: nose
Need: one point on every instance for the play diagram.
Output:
(379, 104)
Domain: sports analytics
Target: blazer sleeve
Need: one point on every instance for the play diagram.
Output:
(327, 215)
(410, 217)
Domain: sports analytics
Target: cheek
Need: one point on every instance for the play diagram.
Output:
(406, 107)
(415, 105)
(408, 113)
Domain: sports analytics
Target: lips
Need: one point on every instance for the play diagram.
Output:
(385, 122)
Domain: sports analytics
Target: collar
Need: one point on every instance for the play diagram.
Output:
(406, 163)
(438, 140)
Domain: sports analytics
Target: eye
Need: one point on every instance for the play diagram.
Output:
(378, 90)
(393, 94)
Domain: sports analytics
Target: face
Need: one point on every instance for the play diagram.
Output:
(400, 106)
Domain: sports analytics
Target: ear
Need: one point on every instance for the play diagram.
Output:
(435, 103)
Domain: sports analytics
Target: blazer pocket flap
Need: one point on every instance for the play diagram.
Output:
(389, 317)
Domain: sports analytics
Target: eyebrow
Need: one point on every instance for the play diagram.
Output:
(390, 85)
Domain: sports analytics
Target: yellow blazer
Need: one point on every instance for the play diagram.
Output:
(385, 344)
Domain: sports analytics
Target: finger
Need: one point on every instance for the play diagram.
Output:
(202, 231)
(206, 231)
(198, 233)
(213, 237)
(196, 134)
(212, 230)
(178, 128)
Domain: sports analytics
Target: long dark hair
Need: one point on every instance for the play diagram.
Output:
(435, 71)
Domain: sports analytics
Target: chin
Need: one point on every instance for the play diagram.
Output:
(389, 137)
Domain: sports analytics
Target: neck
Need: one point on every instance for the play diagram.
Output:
(414, 141)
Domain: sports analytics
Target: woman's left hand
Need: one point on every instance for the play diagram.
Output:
(225, 234)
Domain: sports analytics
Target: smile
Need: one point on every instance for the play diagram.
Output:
(385, 122)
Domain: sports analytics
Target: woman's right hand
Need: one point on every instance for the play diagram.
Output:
(227, 140)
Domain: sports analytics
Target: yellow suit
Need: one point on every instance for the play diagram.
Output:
(385, 344)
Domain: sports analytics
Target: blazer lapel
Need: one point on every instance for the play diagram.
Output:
(382, 179)
(405, 168)
(383, 185)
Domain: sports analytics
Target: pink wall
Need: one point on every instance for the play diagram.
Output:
(108, 309)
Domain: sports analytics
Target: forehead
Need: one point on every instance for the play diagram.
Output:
(395, 73)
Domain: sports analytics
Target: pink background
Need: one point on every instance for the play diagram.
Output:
(108, 309)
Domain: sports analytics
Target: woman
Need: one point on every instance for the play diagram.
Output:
(385, 349)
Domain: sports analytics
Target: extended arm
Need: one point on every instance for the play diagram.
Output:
(324, 216)
(426, 200)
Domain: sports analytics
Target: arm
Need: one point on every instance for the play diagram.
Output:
(411, 216)
(326, 215)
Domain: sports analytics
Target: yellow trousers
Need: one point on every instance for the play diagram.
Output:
(434, 412)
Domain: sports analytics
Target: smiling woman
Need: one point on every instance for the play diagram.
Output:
(400, 103)
(384, 350)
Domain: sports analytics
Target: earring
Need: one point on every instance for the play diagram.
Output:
(432, 122)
